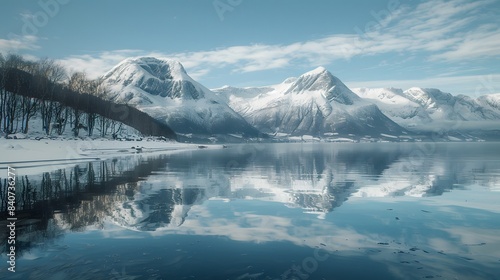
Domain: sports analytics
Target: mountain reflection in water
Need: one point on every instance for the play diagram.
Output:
(158, 193)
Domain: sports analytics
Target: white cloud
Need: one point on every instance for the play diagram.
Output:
(472, 85)
(17, 43)
(95, 66)
(433, 28)
(485, 43)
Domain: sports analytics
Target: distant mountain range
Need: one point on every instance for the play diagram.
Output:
(425, 108)
(316, 104)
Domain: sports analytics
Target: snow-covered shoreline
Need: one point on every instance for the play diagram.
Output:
(29, 156)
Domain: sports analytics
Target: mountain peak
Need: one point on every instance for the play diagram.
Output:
(322, 81)
(317, 71)
(154, 76)
(317, 79)
(159, 68)
(163, 89)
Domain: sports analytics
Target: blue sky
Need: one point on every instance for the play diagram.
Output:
(450, 45)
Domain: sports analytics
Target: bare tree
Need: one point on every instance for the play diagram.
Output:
(61, 113)
(78, 83)
(102, 91)
(50, 74)
(99, 89)
(28, 110)
(11, 103)
(11, 113)
(14, 108)
(29, 106)
(92, 88)
(116, 128)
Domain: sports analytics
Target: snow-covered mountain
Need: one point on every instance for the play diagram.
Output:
(164, 90)
(316, 103)
(427, 108)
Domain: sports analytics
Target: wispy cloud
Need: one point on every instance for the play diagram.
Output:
(439, 30)
(18, 43)
(481, 43)
(97, 65)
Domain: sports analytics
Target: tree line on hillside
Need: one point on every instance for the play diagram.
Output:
(44, 90)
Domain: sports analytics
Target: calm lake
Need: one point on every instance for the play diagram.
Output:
(265, 211)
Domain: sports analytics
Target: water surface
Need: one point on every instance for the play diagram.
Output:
(266, 211)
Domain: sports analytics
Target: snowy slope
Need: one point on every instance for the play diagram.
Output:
(491, 105)
(316, 103)
(163, 89)
(395, 105)
(313, 104)
(427, 108)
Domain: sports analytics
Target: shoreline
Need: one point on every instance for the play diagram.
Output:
(30, 155)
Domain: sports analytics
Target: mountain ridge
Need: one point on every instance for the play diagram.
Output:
(163, 89)
(430, 108)
(315, 103)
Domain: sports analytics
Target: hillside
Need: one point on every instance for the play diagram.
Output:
(25, 84)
